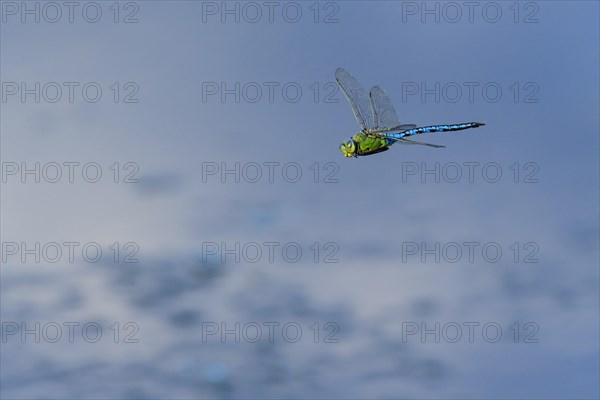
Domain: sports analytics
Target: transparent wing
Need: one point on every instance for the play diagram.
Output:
(399, 128)
(406, 141)
(384, 113)
(357, 97)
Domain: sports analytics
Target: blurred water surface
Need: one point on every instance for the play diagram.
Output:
(365, 314)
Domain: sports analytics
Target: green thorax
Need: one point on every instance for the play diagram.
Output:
(369, 144)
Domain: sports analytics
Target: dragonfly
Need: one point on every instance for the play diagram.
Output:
(377, 118)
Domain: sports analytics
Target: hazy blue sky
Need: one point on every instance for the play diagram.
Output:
(163, 117)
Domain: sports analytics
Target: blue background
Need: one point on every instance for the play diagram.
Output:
(369, 212)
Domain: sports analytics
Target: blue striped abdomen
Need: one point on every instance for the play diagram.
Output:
(435, 128)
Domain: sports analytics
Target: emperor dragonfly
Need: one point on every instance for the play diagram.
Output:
(377, 118)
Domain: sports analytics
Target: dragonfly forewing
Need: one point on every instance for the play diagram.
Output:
(357, 97)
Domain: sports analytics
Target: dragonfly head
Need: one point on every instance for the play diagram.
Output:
(348, 148)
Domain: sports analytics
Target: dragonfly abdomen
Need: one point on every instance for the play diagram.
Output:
(442, 128)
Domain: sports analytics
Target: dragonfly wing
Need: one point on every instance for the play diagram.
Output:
(357, 97)
(403, 127)
(396, 129)
(384, 113)
(406, 141)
